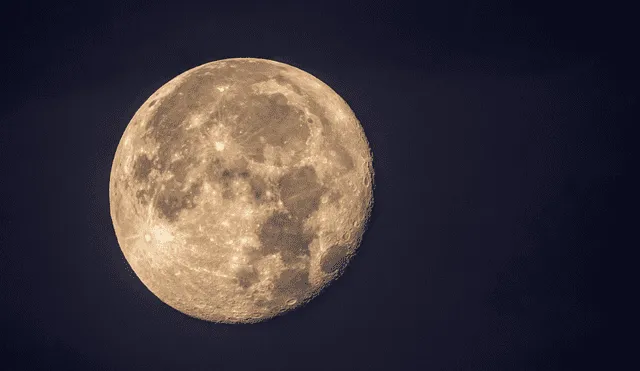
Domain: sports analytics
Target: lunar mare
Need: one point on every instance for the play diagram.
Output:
(240, 189)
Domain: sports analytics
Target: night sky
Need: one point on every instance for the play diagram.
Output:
(501, 142)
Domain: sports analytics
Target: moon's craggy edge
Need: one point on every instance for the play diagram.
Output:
(298, 190)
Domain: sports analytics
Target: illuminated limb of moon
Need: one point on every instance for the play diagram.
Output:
(240, 189)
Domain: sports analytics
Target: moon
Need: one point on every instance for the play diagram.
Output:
(240, 189)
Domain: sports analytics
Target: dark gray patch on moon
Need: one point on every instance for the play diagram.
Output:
(292, 283)
(314, 107)
(340, 156)
(142, 168)
(180, 168)
(283, 81)
(270, 117)
(226, 171)
(300, 191)
(319, 112)
(259, 188)
(334, 196)
(214, 169)
(334, 258)
(247, 277)
(284, 234)
(172, 200)
(143, 197)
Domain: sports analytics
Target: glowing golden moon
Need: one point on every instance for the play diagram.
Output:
(240, 189)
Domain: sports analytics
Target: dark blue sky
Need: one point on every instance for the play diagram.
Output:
(501, 148)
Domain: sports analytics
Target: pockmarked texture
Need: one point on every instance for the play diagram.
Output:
(240, 189)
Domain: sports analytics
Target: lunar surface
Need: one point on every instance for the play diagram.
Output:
(240, 189)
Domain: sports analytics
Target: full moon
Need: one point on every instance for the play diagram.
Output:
(240, 189)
